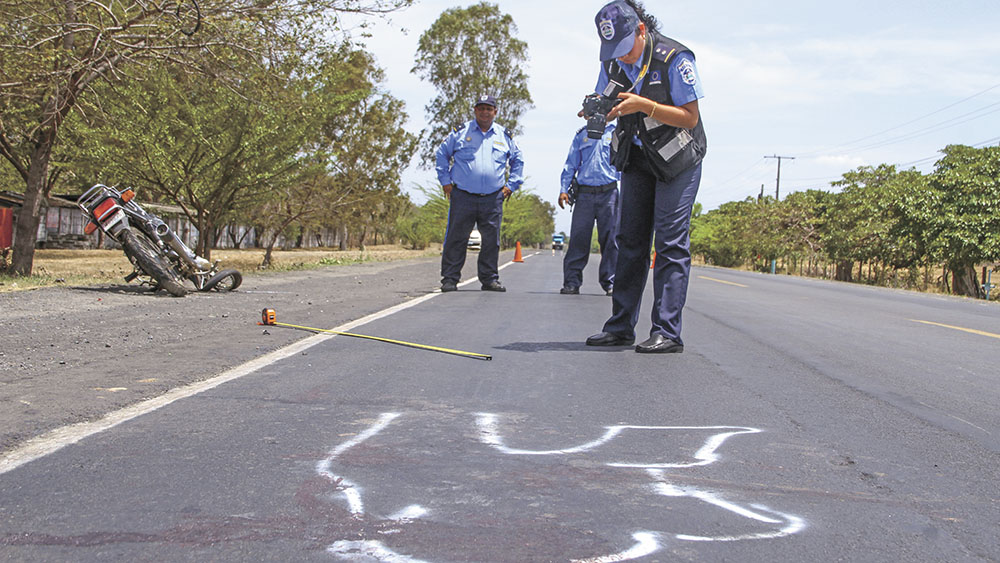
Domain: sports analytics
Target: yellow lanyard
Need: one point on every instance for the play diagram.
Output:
(645, 67)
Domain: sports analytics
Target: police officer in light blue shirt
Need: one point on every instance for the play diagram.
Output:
(588, 165)
(479, 166)
(659, 145)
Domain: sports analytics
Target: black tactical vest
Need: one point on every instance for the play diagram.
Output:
(669, 150)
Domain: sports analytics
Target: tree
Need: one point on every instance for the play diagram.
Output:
(214, 150)
(419, 226)
(527, 218)
(468, 52)
(802, 216)
(54, 53)
(865, 222)
(964, 230)
(294, 203)
(724, 236)
(368, 154)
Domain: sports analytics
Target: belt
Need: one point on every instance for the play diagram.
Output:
(597, 189)
(475, 194)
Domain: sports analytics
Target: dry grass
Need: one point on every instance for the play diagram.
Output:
(83, 267)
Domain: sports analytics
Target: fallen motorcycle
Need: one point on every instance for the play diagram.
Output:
(158, 256)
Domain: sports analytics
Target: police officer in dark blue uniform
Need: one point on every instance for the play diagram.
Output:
(479, 167)
(588, 164)
(659, 145)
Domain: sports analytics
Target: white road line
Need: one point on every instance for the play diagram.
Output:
(59, 438)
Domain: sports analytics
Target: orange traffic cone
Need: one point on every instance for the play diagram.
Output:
(517, 253)
(652, 261)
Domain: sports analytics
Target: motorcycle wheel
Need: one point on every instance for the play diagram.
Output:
(144, 255)
(226, 280)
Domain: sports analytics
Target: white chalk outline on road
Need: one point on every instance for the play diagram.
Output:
(488, 434)
(646, 541)
(369, 550)
(350, 489)
(59, 438)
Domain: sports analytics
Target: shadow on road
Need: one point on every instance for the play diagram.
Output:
(576, 346)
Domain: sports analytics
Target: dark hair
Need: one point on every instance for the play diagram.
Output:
(651, 23)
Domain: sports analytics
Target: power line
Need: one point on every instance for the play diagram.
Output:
(971, 116)
(978, 145)
(742, 172)
(933, 128)
(740, 175)
(935, 112)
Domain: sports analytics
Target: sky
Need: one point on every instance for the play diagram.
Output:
(831, 85)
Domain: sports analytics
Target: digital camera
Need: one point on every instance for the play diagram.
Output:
(596, 108)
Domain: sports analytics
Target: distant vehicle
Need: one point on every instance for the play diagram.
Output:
(557, 242)
(475, 240)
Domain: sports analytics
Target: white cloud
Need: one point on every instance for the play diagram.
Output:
(841, 161)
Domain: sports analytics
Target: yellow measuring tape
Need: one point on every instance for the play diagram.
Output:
(269, 318)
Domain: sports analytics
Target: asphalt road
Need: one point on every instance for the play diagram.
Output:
(805, 420)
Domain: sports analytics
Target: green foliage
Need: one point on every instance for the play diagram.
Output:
(213, 150)
(527, 219)
(727, 236)
(54, 56)
(468, 52)
(420, 226)
(959, 215)
(864, 221)
(894, 222)
(965, 188)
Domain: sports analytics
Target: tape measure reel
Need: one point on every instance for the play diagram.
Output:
(268, 317)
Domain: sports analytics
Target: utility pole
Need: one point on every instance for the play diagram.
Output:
(777, 182)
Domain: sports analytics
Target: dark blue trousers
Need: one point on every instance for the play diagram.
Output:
(603, 208)
(649, 208)
(466, 211)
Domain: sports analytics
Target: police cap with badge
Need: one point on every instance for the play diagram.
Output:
(486, 99)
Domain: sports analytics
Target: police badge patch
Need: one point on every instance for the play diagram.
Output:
(686, 70)
(607, 30)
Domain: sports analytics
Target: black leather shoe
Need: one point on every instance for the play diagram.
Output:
(659, 344)
(570, 291)
(609, 291)
(448, 286)
(610, 339)
(494, 286)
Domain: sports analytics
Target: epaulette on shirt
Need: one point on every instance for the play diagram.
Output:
(509, 133)
(664, 52)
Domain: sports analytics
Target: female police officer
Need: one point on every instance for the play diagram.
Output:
(658, 145)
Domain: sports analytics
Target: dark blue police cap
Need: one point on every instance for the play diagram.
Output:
(485, 99)
(616, 24)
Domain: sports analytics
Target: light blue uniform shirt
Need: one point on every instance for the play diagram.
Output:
(685, 84)
(590, 160)
(480, 160)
